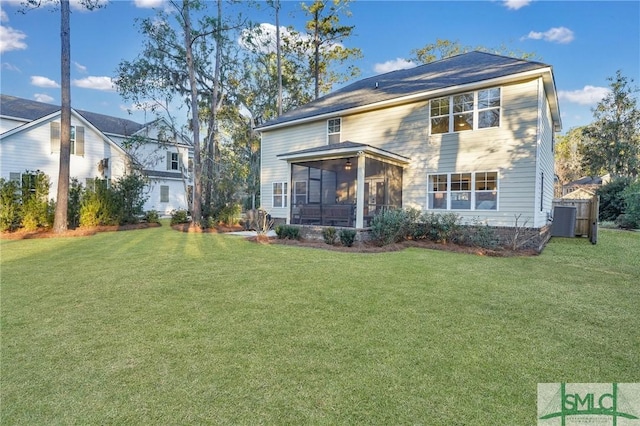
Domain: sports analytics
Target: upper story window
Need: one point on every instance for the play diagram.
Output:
(466, 111)
(333, 130)
(173, 161)
(76, 138)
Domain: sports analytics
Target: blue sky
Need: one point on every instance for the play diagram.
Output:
(585, 41)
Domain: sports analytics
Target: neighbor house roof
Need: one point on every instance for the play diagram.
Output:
(28, 110)
(461, 71)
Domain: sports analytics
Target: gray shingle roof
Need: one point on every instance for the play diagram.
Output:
(459, 70)
(12, 106)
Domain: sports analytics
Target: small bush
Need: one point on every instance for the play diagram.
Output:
(612, 203)
(35, 208)
(608, 224)
(440, 227)
(330, 235)
(179, 216)
(152, 216)
(9, 205)
(74, 203)
(625, 221)
(390, 226)
(478, 234)
(347, 237)
(287, 232)
(229, 215)
(631, 197)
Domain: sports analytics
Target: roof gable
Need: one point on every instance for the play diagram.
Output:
(460, 70)
(11, 106)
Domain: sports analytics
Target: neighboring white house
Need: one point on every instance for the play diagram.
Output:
(472, 134)
(102, 147)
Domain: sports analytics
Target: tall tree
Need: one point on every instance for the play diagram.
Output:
(568, 157)
(60, 223)
(612, 141)
(326, 35)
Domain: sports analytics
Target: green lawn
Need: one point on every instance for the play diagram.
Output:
(160, 327)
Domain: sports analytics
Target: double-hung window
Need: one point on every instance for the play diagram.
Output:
(279, 194)
(463, 191)
(466, 111)
(333, 130)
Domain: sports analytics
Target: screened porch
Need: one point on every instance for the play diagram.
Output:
(347, 189)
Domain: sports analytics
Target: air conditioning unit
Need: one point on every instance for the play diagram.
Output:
(564, 221)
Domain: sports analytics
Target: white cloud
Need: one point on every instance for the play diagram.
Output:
(149, 4)
(39, 81)
(561, 35)
(42, 97)
(10, 67)
(393, 65)
(589, 95)
(516, 4)
(11, 39)
(97, 83)
(3, 16)
(81, 68)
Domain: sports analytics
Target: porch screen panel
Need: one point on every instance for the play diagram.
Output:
(329, 187)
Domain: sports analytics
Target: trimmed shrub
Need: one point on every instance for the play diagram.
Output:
(152, 216)
(631, 197)
(439, 227)
(128, 198)
(347, 237)
(179, 216)
(9, 205)
(390, 226)
(477, 234)
(35, 209)
(74, 203)
(330, 235)
(612, 203)
(228, 215)
(287, 232)
(99, 206)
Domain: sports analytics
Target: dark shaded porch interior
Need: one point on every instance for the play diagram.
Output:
(324, 192)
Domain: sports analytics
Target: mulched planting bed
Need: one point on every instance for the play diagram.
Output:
(21, 234)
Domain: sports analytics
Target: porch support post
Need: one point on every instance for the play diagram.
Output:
(360, 191)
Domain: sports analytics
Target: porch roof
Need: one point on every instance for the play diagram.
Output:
(342, 150)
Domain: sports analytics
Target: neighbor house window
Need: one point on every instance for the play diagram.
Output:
(466, 111)
(279, 194)
(463, 191)
(333, 130)
(164, 193)
(173, 161)
(299, 193)
(76, 138)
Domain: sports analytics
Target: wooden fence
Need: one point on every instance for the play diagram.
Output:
(586, 215)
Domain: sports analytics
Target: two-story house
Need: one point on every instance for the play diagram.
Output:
(472, 134)
(102, 147)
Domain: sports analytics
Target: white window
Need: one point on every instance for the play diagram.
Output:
(164, 193)
(463, 191)
(300, 192)
(469, 111)
(333, 130)
(280, 194)
(76, 138)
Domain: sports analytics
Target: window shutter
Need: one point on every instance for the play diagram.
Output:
(55, 136)
(79, 140)
(180, 163)
(168, 161)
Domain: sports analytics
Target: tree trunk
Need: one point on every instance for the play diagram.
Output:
(278, 57)
(316, 46)
(62, 198)
(196, 213)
